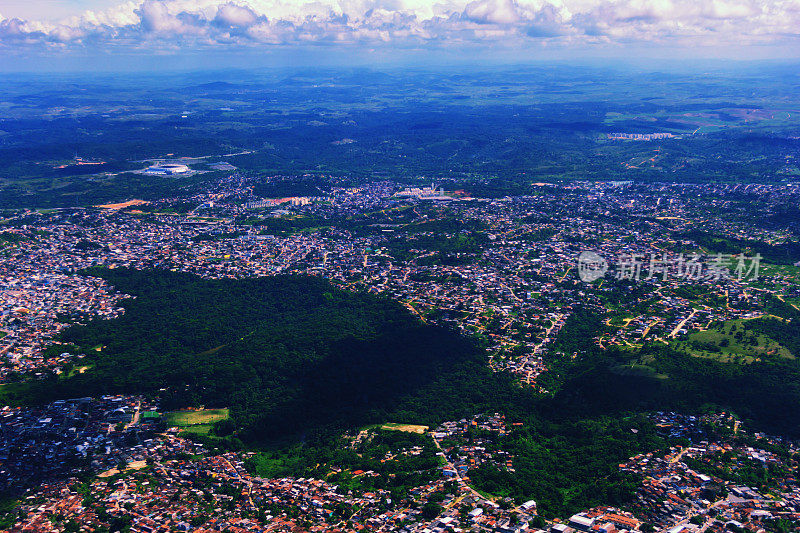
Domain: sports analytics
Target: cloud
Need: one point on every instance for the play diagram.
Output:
(493, 12)
(156, 17)
(235, 15)
(13, 29)
(199, 24)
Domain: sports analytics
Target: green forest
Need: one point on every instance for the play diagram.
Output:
(287, 354)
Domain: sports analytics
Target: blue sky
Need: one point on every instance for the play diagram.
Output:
(41, 31)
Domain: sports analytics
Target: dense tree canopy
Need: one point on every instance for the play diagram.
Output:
(285, 353)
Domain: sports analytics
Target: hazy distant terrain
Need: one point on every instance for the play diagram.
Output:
(521, 125)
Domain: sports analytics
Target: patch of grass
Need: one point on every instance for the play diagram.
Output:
(195, 417)
(732, 341)
(620, 320)
(77, 370)
(199, 430)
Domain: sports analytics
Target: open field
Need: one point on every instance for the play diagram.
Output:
(78, 370)
(409, 428)
(122, 205)
(133, 465)
(188, 418)
(199, 429)
(732, 342)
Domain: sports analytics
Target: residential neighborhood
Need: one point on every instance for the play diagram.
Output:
(504, 271)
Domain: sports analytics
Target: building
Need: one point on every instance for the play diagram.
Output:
(424, 193)
(581, 523)
(167, 169)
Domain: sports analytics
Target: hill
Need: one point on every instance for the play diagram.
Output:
(286, 354)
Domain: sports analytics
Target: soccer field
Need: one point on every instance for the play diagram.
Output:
(187, 418)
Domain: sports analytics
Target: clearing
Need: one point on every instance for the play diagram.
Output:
(195, 420)
(409, 428)
(732, 341)
(122, 205)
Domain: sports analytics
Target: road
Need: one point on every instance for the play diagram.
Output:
(558, 322)
(650, 325)
(135, 419)
(463, 484)
(413, 310)
(682, 323)
(246, 481)
(679, 456)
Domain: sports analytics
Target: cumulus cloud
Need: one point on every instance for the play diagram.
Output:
(235, 15)
(204, 23)
(493, 12)
(156, 17)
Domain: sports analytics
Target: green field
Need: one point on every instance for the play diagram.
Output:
(77, 370)
(731, 342)
(199, 421)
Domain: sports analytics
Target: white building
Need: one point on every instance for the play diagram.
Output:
(167, 169)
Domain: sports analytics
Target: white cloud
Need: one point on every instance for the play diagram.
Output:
(157, 17)
(204, 23)
(493, 12)
(119, 16)
(234, 15)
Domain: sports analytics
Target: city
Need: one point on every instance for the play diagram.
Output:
(502, 271)
(416, 266)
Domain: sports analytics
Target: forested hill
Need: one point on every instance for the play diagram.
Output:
(287, 354)
(296, 358)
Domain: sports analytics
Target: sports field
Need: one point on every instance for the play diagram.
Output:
(194, 417)
(409, 428)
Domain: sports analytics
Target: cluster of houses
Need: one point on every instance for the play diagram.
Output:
(705, 496)
(69, 436)
(515, 292)
(470, 443)
(38, 298)
(153, 481)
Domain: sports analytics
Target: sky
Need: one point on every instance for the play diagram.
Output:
(108, 33)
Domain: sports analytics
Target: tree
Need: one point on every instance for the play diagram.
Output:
(431, 510)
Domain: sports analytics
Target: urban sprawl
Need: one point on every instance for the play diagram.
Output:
(503, 270)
